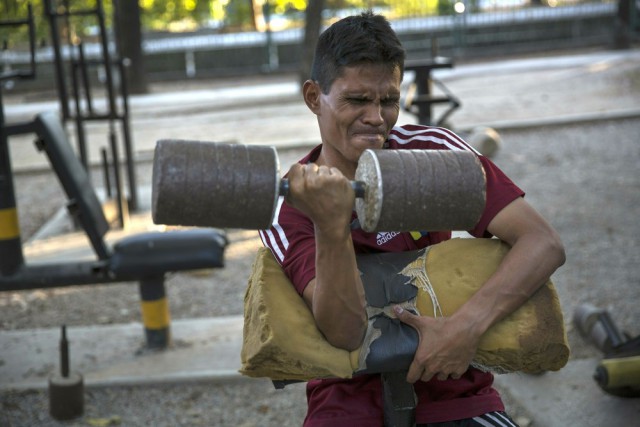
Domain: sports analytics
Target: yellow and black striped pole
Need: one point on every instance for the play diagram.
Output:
(10, 245)
(155, 312)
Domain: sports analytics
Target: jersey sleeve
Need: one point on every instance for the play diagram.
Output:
(291, 239)
(500, 192)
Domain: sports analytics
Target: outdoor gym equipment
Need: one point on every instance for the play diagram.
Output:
(237, 186)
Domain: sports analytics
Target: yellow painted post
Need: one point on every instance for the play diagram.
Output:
(155, 312)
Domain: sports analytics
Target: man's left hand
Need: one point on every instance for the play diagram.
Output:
(446, 346)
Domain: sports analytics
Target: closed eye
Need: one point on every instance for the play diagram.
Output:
(391, 101)
(357, 100)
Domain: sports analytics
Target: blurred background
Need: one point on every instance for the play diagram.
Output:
(164, 40)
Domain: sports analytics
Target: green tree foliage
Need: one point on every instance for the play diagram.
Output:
(179, 14)
(239, 15)
(188, 15)
(17, 37)
(73, 28)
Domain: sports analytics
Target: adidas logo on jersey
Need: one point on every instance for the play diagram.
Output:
(384, 237)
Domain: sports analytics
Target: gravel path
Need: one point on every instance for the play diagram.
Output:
(583, 178)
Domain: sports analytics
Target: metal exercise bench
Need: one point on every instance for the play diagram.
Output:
(145, 257)
(420, 98)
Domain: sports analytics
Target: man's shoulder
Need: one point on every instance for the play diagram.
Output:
(424, 137)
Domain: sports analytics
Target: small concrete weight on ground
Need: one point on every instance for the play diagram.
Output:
(66, 388)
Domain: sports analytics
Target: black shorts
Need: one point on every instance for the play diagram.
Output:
(490, 419)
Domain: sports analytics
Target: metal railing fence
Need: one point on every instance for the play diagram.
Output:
(468, 28)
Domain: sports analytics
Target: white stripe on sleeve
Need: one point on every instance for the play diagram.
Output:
(269, 239)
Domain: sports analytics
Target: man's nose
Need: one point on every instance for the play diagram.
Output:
(373, 114)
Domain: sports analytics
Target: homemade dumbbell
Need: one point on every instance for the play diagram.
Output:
(209, 184)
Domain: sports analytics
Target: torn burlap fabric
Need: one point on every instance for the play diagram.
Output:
(281, 341)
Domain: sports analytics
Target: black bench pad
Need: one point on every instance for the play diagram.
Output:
(155, 253)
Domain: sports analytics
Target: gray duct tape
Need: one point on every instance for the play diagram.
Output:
(389, 344)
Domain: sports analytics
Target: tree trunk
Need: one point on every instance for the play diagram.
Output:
(313, 25)
(128, 31)
(621, 36)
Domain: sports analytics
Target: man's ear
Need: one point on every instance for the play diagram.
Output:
(311, 93)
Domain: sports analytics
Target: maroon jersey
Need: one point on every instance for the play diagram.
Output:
(359, 401)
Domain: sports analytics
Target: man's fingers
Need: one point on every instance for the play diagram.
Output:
(417, 372)
(405, 316)
(323, 170)
(436, 363)
(426, 376)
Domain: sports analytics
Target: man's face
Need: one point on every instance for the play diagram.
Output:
(358, 112)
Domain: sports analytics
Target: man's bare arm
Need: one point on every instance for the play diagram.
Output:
(536, 252)
(448, 344)
(336, 295)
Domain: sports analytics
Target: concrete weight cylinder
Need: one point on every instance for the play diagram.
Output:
(420, 190)
(66, 396)
(619, 372)
(214, 185)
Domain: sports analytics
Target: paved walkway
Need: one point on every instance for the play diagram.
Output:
(504, 94)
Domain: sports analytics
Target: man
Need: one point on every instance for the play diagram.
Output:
(354, 91)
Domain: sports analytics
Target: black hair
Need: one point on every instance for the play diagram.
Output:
(354, 40)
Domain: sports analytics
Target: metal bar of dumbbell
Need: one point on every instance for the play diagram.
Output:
(357, 186)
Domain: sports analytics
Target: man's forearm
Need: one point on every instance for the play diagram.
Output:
(526, 267)
(338, 302)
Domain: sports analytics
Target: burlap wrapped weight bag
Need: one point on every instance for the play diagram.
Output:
(281, 340)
